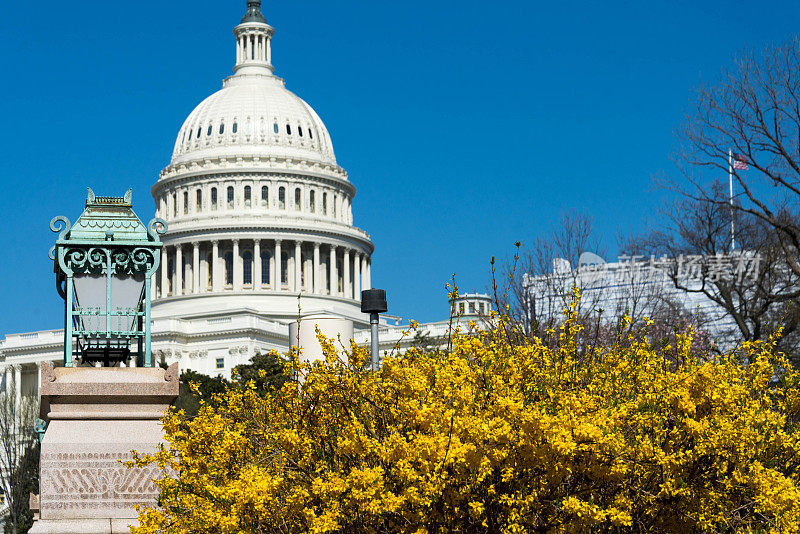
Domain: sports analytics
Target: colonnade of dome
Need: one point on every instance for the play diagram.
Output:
(250, 264)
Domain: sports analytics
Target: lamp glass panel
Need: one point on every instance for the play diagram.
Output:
(126, 292)
(90, 292)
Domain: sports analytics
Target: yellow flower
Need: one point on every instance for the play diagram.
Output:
(499, 434)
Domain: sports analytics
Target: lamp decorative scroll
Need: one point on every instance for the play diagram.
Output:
(104, 265)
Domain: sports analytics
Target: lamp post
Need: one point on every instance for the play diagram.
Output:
(373, 302)
(104, 266)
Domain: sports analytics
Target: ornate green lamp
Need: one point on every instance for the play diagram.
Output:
(104, 266)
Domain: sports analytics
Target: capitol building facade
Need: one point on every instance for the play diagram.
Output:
(260, 233)
(260, 226)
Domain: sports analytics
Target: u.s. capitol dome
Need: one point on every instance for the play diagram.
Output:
(259, 214)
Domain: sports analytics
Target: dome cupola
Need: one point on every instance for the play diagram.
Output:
(253, 42)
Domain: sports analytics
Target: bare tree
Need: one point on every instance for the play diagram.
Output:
(749, 286)
(754, 111)
(569, 257)
(18, 444)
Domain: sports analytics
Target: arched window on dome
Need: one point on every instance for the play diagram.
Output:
(247, 191)
(174, 205)
(282, 198)
(248, 127)
(264, 196)
(198, 204)
(186, 203)
(311, 204)
(229, 269)
(289, 129)
(183, 139)
(190, 135)
(310, 135)
(325, 204)
(199, 129)
(213, 199)
(230, 197)
(300, 131)
(221, 128)
(333, 205)
(210, 128)
(265, 278)
(275, 128)
(298, 199)
(235, 127)
(247, 268)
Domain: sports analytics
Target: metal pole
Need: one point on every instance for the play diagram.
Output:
(68, 324)
(730, 183)
(373, 325)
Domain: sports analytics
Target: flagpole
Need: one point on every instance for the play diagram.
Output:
(730, 183)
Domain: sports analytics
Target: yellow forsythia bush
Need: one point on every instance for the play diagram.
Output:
(492, 436)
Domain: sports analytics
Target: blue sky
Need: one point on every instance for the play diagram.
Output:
(464, 125)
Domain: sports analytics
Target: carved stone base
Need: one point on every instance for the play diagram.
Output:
(96, 417)
(83, 526)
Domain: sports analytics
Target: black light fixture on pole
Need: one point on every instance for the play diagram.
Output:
(373, 302)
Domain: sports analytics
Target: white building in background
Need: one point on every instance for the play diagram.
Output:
(260, 230)
(637, 287)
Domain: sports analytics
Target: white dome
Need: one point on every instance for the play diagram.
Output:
(253, 115)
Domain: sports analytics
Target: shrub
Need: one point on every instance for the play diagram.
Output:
(495, 437)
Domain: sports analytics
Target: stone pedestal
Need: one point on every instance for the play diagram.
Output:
(95, 418)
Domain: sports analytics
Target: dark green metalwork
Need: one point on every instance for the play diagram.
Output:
(254, 12)
(108, 243)
(39, 427)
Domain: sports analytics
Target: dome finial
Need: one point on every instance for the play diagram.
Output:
(254, 12)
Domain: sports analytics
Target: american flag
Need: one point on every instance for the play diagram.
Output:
(740, 162)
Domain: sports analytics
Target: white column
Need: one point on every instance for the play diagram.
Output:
(348, 289)
(188, 276)
(196, 268)
(364, 280)
(178, 271)
(164, 272)
(18, 385)
(39, 379)
(334, 281)
(298, 264)
(237, 267)
(316, 274)
(215, 279)
(368, 261)
(357, 276)
(278, 272)
(257, 264)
